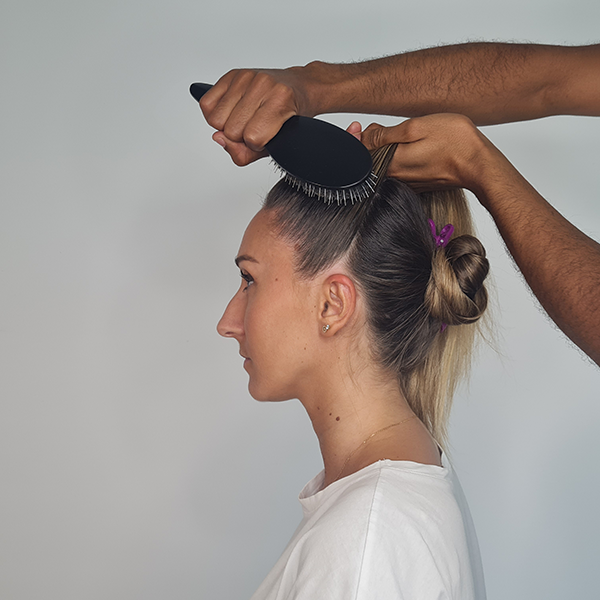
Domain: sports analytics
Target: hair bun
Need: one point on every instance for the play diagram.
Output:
(455, 294)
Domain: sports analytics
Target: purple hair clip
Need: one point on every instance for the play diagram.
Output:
(445, 234)
(441, 240)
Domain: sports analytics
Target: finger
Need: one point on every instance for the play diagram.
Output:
(265, 124)
(220, 138)
(410, 162)
(374, 136)
(239, 152)
(211, 98)
(230, 88)
(260, 113)
(409, 131)
(355, 128)
(242, 155)
(420, 165)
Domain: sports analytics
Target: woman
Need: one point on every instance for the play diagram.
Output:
(365, 314)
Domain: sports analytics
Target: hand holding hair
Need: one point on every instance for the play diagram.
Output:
(434, 152)
(560, 263)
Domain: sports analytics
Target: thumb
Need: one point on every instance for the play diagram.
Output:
(375, 135)
(355, 128)
(240, 154)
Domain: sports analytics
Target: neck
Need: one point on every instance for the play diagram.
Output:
(346, 408)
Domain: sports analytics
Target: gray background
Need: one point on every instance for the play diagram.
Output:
(133, 462)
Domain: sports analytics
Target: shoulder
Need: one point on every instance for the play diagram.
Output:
(392, 525)
(399, 502)
(391, 530)
(396, 486)
(384, 493)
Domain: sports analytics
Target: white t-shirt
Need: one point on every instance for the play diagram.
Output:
(393, 530)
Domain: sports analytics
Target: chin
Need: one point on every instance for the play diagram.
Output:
(264, 394)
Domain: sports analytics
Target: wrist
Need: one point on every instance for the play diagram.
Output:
(490, 173)
(502, 190)
(314, 87)
(325, 87)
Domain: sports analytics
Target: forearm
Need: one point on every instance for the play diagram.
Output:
(488, 82)
(560, 263)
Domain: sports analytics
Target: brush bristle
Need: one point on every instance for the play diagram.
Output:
(356, 193)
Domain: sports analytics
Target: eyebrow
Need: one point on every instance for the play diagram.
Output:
(243, 257)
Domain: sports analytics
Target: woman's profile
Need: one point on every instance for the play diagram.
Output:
(366, 313)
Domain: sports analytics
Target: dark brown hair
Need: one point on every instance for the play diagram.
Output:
(410, 286)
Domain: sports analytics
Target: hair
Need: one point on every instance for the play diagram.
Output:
(411, 287)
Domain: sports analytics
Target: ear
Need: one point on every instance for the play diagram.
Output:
(337, 302)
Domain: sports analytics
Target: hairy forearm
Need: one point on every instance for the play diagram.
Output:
(560, 263)
(488, 82)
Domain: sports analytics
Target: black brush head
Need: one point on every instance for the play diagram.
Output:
(317, 157)
(320, 154)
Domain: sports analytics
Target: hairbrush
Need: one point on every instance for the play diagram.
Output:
(321, 159)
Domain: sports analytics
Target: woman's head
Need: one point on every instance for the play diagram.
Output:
(278, 317)
(405, 286)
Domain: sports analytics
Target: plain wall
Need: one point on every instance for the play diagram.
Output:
(133, 462)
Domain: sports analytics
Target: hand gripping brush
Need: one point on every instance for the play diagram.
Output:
(321, 159)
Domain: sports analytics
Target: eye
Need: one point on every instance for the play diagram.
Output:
(247, 278)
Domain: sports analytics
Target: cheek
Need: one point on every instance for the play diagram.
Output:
(277, 329)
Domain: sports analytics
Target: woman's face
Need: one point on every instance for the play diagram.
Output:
(273, 315)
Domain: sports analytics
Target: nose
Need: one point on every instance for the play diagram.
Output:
(231, 323)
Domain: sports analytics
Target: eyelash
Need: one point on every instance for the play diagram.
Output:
(247, 278)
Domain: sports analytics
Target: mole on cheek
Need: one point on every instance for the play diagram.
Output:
(337, 418)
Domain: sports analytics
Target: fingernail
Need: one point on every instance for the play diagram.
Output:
(220, 141)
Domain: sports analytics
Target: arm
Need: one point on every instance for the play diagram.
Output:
(560, 263)
(488, 82)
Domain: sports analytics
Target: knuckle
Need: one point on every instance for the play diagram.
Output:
(231, 74)
(243, 76)
(377, 137)
(283, 92)
(461, 122)
(242, 79)
(232, 131)
(412, 127)
(263, 79)
(461, 119)
(254, 138)
(206, 105)
(216, 119)
(372, 135)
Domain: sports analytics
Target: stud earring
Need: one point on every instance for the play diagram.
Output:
(325, 328)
